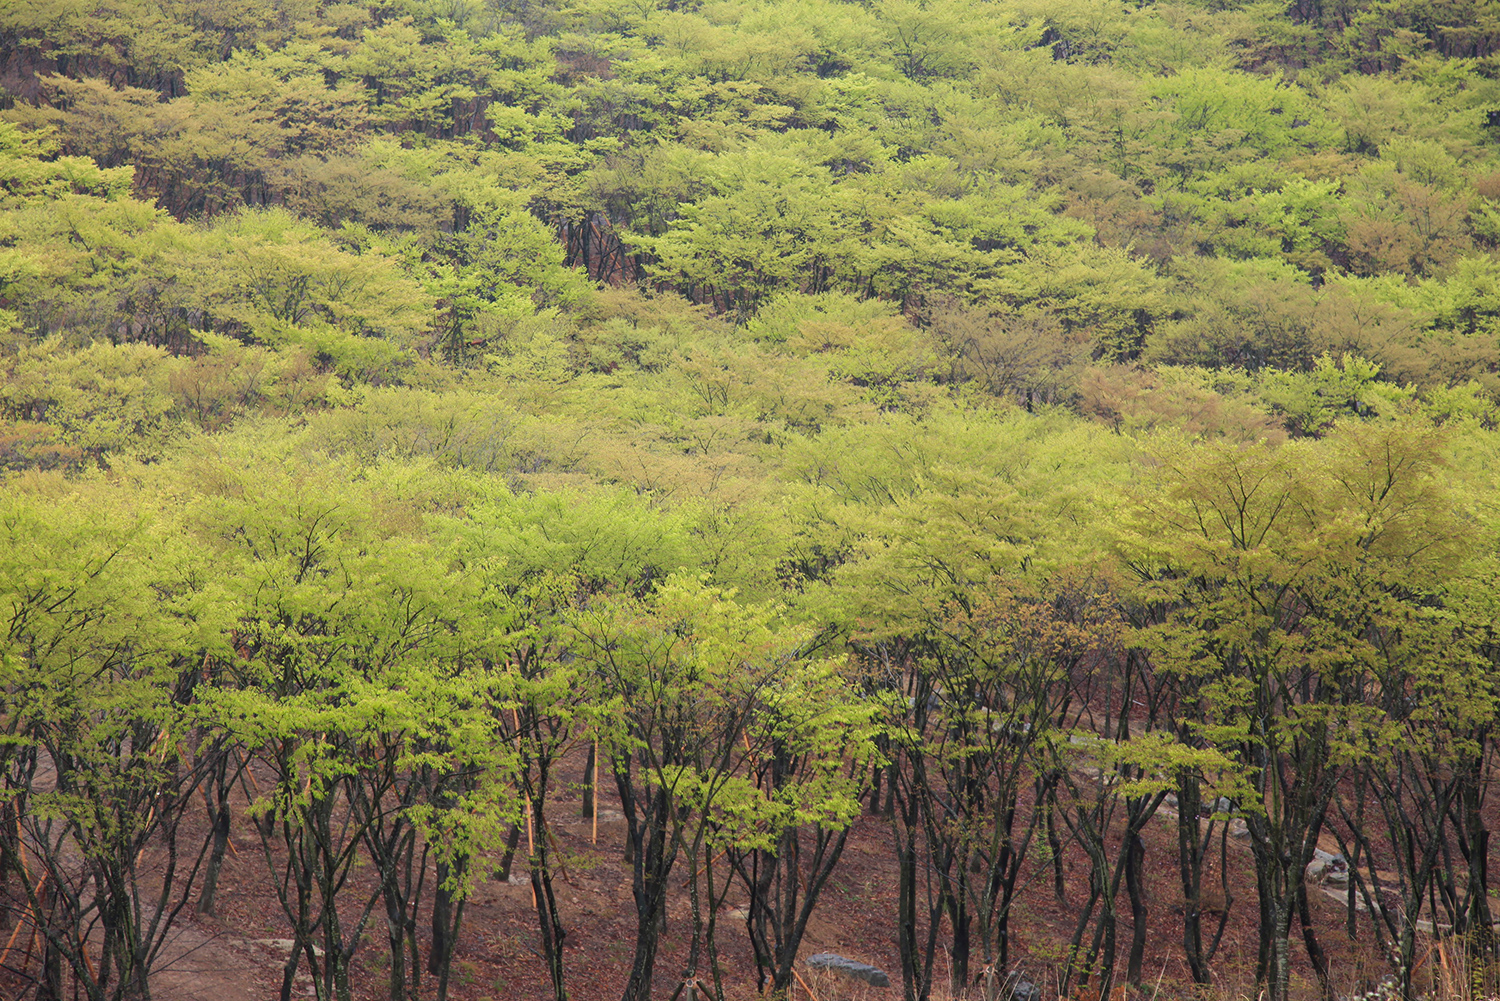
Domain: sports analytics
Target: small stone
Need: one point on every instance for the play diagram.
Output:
(1020, 989)
(832, 961)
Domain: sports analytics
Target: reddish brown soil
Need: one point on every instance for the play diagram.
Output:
(226, 958)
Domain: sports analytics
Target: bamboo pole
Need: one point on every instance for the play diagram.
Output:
(88, 961)
(31, 941)
(12, 940)
(249, 773)
(530, 842)
(594, 837)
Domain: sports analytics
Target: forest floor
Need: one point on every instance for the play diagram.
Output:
(238, 954)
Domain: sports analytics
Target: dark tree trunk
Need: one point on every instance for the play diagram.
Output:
(587, 807)
(1136, 891)
(1310, 940)
(1190, 853)
(207, 897)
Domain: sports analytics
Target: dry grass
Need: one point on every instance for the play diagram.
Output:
(1446, 970)
(1449, 966)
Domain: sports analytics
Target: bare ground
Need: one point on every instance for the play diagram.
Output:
(237, 955)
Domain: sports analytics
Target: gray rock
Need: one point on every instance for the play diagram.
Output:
(1009, 727)
(848, 967)
(1021, 989)
(1328, 868)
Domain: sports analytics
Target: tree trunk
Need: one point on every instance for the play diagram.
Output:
(1136, 891)
(587, 807)
(395, 926)
(1310, 940)
(447, 915)
(654, 850)
(906, 911)
(1190, 852)
(511, 843)
(207, 897)
(546, 914)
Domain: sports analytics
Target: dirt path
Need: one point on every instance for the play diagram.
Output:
(201, 965)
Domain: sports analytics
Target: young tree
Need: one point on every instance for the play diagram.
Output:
(1005, 668)
(110, 617)
(351, 702)
(540, 696)
(783, 825)
(686, 676)
(1289, 556)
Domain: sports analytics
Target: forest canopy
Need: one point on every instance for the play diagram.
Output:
(397, 396)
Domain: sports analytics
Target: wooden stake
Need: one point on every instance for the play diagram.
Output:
(83, 947)
(530, 849)
(530, 840)
(249, 773)
(21, 844)
(558, 855)
(806, 988)
(161, 742)
(704, 868)
(12, 940)
(594, 837)
(30, 944)
(36, 893)
(754, 758)
(515, 718)
(31, 918)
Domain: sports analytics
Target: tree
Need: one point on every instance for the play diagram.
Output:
(268, 277)
(784, 829)
(1286, 559)
(357, 701)
(110, 618)
(1026, 357)
(545, 695)
(107, 401)
(1101, 292)
(688, 677)
(1003, 665)
(767, 227)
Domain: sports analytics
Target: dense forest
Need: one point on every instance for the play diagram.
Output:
(1011, 423)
